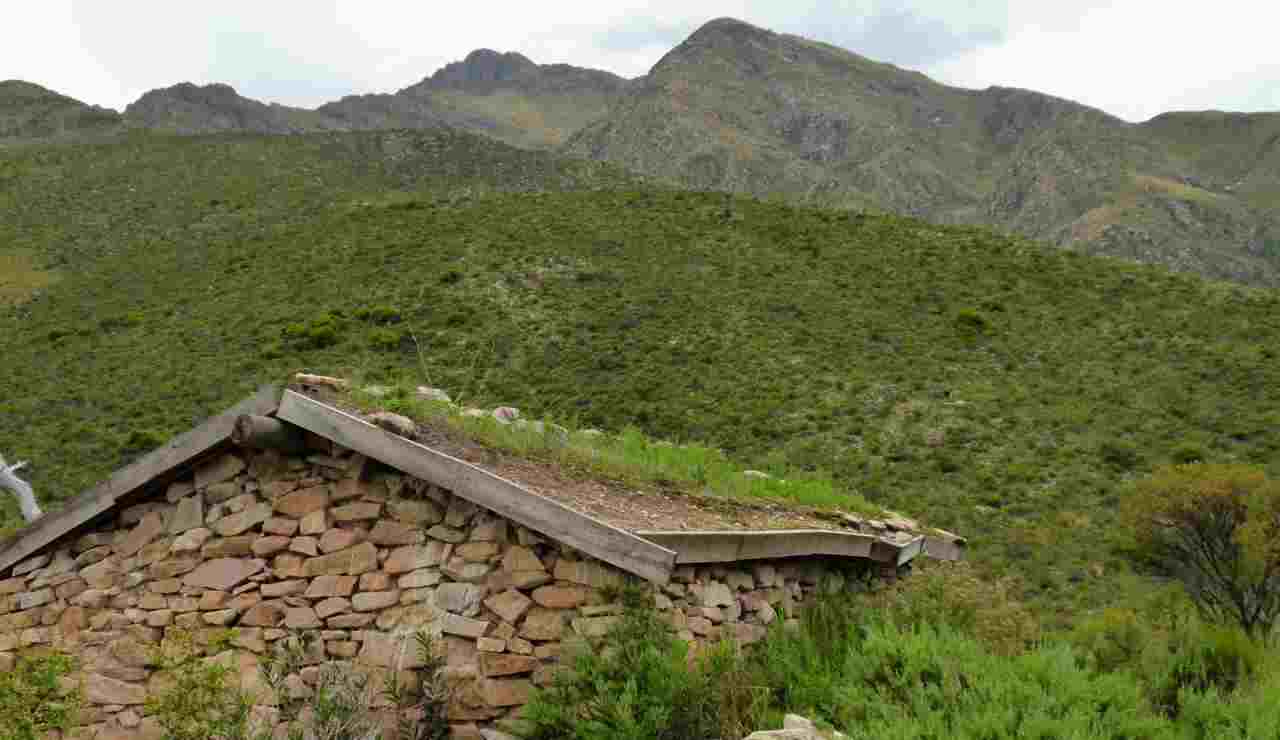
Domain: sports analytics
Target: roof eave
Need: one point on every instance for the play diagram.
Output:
(177, 453)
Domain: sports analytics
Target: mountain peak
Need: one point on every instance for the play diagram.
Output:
(727, 25)
(23, 90)
(484, 65)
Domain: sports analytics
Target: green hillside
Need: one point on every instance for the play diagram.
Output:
(989, 385)
(741, 108)
(745, 110)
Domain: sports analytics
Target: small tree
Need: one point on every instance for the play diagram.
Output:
(1216, 529)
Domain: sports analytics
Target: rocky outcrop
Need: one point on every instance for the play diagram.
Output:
(204, 109)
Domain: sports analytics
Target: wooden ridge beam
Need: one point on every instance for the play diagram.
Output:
(727, 546)
(613, 545)
(175, 453)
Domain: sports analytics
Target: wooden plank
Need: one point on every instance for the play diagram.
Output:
(910, 550)
(547, 516)
(176, 452)
(727, 546)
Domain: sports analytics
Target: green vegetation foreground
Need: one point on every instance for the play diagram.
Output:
(981, 382)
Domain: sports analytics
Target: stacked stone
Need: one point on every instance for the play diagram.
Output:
(360, 560)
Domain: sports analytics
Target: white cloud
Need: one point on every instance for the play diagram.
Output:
(1133, 58)
(1136, 59)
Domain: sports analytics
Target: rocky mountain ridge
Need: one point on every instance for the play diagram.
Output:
(743, 109)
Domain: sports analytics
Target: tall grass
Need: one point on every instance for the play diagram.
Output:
(905, 672)
(628, 455)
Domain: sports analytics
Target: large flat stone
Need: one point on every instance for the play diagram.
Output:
(269, 545)
(459, 598)
(302, 618)
(519, 558)
(333, 606)
(717, 594)
(99, 689)
(369, 601)
(587, 573)
(415, 512)
(324, 587)
(32, 599)
(191, 540)
(222, 469)
(504, 692)
(453, 624)
(389, 533)
(359, 511)
(414, 557)
(229, 547)
(510, 605)
(222, 574)
(300, 503)
(353, 561)
(561, 597)
(390, 651)
(264, 614)
(187, 515)
(543, 624)
(243, 521)
(419, 578)
(151, 527)
(506, 664)
(336, 539)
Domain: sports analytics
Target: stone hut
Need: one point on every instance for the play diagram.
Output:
(288, 514)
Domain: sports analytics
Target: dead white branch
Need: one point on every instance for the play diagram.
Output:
(21, 489)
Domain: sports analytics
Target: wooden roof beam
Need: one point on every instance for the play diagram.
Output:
(613, 545)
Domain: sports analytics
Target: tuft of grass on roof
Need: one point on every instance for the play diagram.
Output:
(628, 456)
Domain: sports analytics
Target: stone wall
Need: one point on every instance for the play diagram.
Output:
(360, 557)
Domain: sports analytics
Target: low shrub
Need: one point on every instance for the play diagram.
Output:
(647, 684)
(34, 702)
(955, 595)
(341, 704)
(202, 698)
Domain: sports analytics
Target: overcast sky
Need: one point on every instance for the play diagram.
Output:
(1133, 58)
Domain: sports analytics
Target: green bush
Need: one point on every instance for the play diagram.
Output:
(33, 700)
(1120, 454)
(1248, 714)
(202, 698)
(318, 333)
(1188, 453)
(379, 315)
(644, 685)
(385, 339)
(1200, 659)
(955, 594)
(340, 703)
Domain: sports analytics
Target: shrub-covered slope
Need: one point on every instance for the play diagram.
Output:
(992, 386)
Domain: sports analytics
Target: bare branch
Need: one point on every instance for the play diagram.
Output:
(21, 490)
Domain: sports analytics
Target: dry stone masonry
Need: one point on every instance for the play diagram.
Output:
(358, 557)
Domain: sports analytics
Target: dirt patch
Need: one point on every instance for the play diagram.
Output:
(623, 506)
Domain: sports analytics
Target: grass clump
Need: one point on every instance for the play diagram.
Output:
(629, 456)
(35, 701)
(202, 698)
(646, 684)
